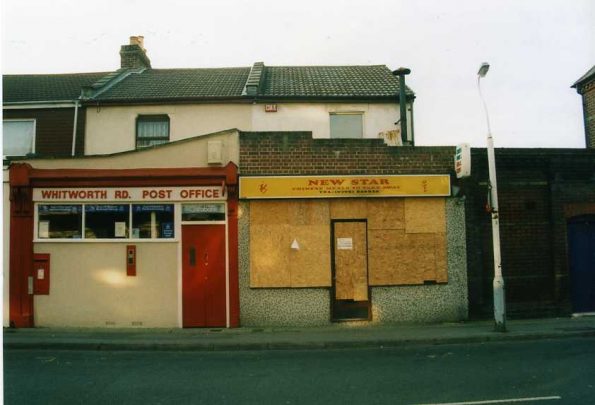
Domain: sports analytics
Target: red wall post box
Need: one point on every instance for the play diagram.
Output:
(41, 274)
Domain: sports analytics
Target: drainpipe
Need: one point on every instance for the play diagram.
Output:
(402, 72)
(76, 112)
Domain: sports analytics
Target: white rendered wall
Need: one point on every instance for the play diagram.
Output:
(112, 129)
(315, 117)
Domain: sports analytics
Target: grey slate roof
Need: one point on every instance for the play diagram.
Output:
(44, 88)
(170, 85)
(330, 81)
(585, 77)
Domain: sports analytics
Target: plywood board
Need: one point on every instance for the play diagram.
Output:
(310, 266)
(269, 263)
(308, 212)
(397, 258)
(425, 215)
(269, 212)
(354, 208)
(441, 258)
(351, 272)
(386, 213)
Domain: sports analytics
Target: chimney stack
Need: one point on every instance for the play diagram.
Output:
(134, 56)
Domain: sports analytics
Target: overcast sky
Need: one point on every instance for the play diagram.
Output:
(537, 50)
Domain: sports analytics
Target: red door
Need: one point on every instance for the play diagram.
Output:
(203, 276)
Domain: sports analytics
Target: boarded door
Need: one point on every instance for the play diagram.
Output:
(203, 276)
(581, 246)
(350, 270)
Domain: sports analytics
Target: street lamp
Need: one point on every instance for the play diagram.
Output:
(498, 285)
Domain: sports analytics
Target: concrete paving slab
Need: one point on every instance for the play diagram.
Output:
(334, 336)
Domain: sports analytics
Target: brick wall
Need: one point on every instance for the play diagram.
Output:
(53, 129)
(589, 113)
(539, 190)
(296, 153)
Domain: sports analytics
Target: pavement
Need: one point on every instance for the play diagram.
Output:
(333, 336)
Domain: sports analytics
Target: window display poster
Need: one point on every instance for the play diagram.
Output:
(120, 229)
(44, 229)
(167, 230)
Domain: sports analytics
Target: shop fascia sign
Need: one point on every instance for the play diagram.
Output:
(344, 186)
(130, 194)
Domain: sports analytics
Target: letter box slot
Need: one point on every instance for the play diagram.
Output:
(39, 282)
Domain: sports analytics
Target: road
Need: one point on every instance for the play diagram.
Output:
(549, 371)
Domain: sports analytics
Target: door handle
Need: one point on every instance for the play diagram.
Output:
(192, 256)
(30, 285)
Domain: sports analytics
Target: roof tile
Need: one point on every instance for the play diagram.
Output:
(48, 87)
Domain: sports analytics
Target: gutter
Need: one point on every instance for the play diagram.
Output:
(24, 105)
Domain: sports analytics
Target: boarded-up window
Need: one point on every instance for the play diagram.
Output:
(347, 125)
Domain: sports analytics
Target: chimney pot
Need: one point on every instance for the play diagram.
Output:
(138, 40)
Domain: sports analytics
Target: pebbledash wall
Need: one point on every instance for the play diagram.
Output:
(409, 298)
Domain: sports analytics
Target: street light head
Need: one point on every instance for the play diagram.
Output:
(483, 69)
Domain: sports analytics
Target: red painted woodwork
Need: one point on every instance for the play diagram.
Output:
(23, 178)
(234, 285)
(21, 247)
(203, 276)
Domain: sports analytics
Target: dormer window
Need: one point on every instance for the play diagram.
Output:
(151, 130)
(347, 125)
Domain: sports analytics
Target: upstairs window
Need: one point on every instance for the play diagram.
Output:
(151, 130)
(18, 137)
(347, 125)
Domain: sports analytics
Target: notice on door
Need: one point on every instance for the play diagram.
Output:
(344, 243)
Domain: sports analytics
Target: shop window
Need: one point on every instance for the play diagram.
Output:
(18, 137)
(107, 221)
(152, 221)
(151, 130)
(59, 221)
(203, 212)
(347, 125)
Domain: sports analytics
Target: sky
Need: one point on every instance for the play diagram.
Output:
(536, 49)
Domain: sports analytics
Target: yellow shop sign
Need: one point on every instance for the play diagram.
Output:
(344, 186)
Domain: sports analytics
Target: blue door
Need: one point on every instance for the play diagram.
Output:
(581, 249)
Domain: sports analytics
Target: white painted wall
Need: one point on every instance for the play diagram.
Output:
(89, 286)
(112, 129)
(315, 117)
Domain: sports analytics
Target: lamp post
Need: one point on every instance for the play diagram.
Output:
(498, 284)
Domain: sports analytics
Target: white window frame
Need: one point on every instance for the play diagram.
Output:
(34, 120)
(141, 117)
